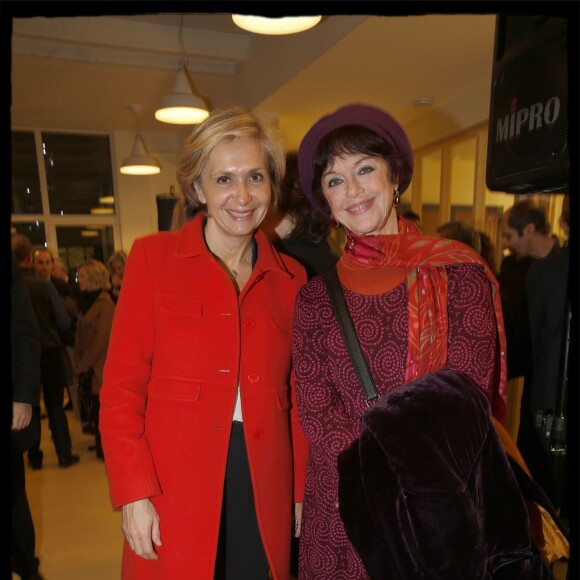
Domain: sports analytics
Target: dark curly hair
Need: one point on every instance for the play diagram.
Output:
(307, 222)
(527, 212)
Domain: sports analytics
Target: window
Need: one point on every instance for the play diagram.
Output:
(63, 195)
(26, 198)
(78, 172)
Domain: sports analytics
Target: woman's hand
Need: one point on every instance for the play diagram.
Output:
(141, 528)
(297, 519)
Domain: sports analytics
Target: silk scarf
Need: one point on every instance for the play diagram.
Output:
(424, 260)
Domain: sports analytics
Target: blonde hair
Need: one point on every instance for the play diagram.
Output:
(180, 214)
(97, 275)
(222, 125)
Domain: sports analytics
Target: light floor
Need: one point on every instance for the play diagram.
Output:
(78, 535)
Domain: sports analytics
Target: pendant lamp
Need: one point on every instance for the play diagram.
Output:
(282, 25)
(139, 162)
(182, 106)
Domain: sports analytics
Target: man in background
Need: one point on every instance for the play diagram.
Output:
(25, 366)
(44, 264)
(52, 319)
(548, 316)
(527, 233)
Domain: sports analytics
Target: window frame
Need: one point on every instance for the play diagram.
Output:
(52, 221)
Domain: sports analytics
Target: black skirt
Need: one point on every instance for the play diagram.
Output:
(240, 554)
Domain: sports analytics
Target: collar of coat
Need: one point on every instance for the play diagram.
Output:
(191, 243)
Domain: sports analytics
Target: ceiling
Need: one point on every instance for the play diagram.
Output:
(81, 73)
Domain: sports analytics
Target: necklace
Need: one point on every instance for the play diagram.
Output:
(234, 273)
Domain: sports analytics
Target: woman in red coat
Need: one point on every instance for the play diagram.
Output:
(203, 448)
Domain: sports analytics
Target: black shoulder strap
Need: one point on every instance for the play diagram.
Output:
(349, 334)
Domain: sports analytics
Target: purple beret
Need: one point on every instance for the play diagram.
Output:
(355, 114)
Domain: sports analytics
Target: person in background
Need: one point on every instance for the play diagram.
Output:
(25, 382)
(406, 294)
(512, 280)
(116, 265)
(93, 331)
(202, 443)
(527, 234)
(44, 264)
(526, 231)
(547, 298)
(488, 252)
(461, 232)
(296, 228)
(479, 241)
(52, 319)
(60, 271)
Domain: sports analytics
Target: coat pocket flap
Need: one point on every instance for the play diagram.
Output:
(177, 388)
(180, 305)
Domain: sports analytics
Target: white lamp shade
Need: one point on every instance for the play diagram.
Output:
(283, 25)
(139, 162)
(182, 107)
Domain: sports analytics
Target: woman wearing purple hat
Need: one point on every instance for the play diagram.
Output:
(419, 304)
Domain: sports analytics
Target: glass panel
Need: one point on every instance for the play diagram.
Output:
(78, 172)
(430, 191)
(462, 176)
(26, 196)
(34, 231)
(77, 244)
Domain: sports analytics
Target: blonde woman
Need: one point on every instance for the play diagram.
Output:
(93, 330)
(203, 448)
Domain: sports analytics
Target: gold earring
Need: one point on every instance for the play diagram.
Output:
(396, 198)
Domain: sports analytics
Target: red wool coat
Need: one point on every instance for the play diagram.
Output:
(180, 340)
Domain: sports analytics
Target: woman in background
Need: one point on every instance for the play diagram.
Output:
(467, 234)
(116, 265)
(296, 228)
(93, 330)
(203, 447)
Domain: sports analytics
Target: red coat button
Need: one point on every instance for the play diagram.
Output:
(249, 323)
(258, 433)
(253, 378)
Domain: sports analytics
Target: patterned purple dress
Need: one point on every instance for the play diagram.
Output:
(330, 399)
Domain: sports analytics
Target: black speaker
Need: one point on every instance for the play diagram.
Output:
(527, 149)
(165, 205)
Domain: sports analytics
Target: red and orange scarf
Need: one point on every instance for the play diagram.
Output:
(421, 261)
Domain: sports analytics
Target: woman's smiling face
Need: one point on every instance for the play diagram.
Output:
(359, 191)
(236, 186)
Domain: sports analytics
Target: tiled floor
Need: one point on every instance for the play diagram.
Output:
(78, 534)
